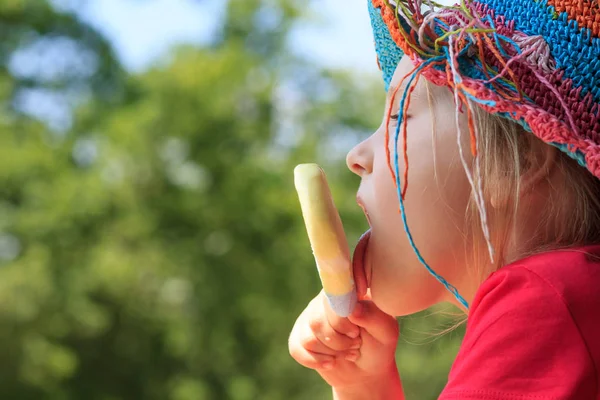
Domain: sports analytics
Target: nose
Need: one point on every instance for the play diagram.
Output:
(360, 158)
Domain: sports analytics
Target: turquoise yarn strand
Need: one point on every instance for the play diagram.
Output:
(411, 241)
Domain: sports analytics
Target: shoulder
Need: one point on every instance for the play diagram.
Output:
(569, 277)
(563, 269)
(531, 331)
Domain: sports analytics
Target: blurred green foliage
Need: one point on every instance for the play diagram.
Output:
(151, 244)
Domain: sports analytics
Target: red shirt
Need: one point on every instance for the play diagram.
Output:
(533, 332)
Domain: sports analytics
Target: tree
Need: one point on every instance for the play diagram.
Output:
(154, 248)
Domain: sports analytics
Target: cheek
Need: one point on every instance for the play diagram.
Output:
(435, 206)
(386, 194)
(436, 200)
(437, 197)
(437, 193)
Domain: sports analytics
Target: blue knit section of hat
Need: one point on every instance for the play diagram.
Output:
(579, 56)
(573, 48)
(388, 52)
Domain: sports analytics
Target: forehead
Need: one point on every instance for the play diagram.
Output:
(404, 68)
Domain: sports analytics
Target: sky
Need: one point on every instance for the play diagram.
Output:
(143, 31)
(337, 35)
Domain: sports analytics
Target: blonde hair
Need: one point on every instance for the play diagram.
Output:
(572, 215)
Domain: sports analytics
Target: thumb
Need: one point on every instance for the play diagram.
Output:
(383, 327)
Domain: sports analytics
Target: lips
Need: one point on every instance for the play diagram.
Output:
(360, 267)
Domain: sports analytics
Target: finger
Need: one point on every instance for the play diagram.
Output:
(311, 359)
(383, 327)
(352, 355)
(332, 339)
(339, 324)
(311, 343)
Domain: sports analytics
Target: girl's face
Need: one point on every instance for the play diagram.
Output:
(436, 203)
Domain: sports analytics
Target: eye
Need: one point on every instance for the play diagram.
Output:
(394, 117)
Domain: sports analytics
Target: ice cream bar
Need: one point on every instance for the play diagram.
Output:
(327, 237)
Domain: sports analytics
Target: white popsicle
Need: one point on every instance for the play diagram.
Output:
(327, 237)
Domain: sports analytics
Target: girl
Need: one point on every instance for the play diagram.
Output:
(481, 188)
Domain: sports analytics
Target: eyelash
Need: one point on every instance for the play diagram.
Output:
(394, 117)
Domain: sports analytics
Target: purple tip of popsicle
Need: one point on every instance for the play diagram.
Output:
(343, 305)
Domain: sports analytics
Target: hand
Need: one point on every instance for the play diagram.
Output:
(353, 355)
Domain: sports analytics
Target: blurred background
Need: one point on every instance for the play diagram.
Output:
(151, 242)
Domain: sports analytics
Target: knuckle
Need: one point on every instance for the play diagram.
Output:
(294, 352)
(294, 346)
(305, 362)
(308, 363)
(315, 324)
(310, 342)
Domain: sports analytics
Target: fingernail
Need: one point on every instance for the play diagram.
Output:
(356, 345)
(327, 365)
(353, 334)
(352, 356)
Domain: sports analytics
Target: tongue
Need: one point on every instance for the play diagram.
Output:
(359, 265)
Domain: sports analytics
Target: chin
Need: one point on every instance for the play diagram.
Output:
(399, 305)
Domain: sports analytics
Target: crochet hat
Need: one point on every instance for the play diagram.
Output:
(536, 62)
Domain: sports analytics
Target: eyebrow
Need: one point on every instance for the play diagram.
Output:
(413, 95)
(391, 90)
